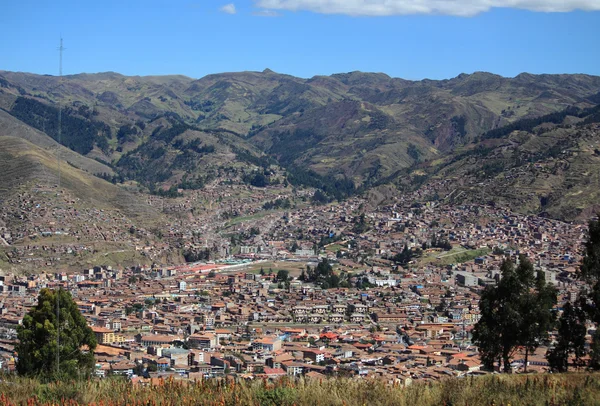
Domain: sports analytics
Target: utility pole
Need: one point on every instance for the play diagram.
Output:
(57, 332)
(60, 50)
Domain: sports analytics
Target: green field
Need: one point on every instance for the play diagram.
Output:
(239, 220)
(334, 247)
(456, 255)
(295, 268)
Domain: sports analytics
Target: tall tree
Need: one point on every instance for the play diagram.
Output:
(517, 312)
(595, 351)
(322, 275)
(38, 345)
(536, 307)
(589, 271)
(282, 275)
(497, 332)
(590, 264)
(571, 339)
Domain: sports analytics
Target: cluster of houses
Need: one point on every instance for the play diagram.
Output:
(391, 320)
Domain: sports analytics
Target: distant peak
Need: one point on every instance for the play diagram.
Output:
(478, 75)
(525, 75)
(268, 71)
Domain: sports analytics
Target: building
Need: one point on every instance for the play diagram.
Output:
(157, 340)
(207, 340)
(267, 344)
(293, 368)
(106, 336)
(246, 249)
(466, 279)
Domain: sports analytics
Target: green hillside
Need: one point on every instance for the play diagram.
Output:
(82, 220)
(13, 127)
(363, 126)
(549, 165)
(22, 163)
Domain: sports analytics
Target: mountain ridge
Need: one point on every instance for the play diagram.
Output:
(357, 125)
(520, 75)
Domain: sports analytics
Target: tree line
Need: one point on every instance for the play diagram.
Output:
(330, 187)
(78, 134)
(528, 124)
(519, 313)
(280, 203)
(321, 275)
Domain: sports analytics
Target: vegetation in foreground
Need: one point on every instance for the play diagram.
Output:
(38, 344)
(547, 389)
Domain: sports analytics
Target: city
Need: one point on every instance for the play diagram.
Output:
(255, 314)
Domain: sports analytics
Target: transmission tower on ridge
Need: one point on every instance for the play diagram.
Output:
(60, 50)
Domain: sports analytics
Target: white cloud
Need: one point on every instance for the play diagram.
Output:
(266, 13)
(464, 8)
(229, 8)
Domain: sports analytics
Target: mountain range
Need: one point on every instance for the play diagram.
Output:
(343, 133)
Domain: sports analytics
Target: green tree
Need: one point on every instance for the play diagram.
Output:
(403, 257)
(595, 351)
(495, 333)
(589, 271)
(515, 312)
(333, 281)
(319, 197)
(590, 264)
(571, 339)
(360, 224)
(321, 275)
(536, 306)
(325, 276)
(324, 268)
(38, 345)
(282, 275)
(295, 247)
(413, 152)
(139, 369)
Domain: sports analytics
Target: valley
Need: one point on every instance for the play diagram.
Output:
(169, 165)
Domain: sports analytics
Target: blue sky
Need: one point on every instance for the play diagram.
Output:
(438, 40)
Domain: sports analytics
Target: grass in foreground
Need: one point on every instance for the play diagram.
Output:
(564, 389)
